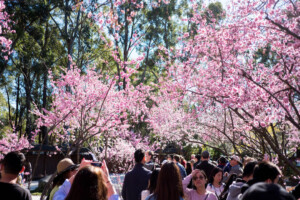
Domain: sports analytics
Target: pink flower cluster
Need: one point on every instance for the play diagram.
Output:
(4, 29)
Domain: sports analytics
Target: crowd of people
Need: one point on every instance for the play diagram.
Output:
(203, 179)
(172, 179)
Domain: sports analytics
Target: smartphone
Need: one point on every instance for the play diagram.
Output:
(96, 164)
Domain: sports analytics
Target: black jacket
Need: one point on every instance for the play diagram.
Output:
(206, 167)
(135, 182)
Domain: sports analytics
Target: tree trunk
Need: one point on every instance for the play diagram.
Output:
(28, 103)
(17, 105)
(44, 128)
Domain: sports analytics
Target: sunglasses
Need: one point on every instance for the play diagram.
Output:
(198, 177)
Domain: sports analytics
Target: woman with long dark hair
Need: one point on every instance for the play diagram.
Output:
(199, 192)
(188, 168)
(215, 183)
(152, 184)
(169, 185)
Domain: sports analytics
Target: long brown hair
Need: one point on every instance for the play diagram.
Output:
(88, 184)
(169, 184)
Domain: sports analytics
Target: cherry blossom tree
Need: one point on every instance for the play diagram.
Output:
(12, 142)
(88, 107)
(218, 68)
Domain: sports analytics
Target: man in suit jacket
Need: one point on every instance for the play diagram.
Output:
(136, 180)
(205, 165)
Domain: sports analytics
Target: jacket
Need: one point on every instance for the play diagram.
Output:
(135, 182)
(206, 167)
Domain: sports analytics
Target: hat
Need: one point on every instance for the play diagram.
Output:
(205, 154)
(263, 191)
(235, 157)
(65, 165)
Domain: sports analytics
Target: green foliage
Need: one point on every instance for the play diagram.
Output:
(265, 56)
(214, 11)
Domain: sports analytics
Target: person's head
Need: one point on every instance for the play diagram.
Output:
(139, 156)
(65, 169)
(216, 175)
(176, 158)
(204, 155)
(248, 159)
(262, 191)
(248, 171)
(13, 163)
(149, 156)
(153, 180)
(170, 157)
(192, 163)
(198, 157)
(222, 160)
(199, 179)
(235, 160)
(192, 156)
(266, 172)
(169, 184)
(88, 184)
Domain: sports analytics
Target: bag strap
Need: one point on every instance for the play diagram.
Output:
(206, 196)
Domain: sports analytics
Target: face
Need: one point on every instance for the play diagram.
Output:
(233, 162)
(218, 177)
(199, 180)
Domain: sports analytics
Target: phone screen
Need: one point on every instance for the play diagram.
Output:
(96, 164)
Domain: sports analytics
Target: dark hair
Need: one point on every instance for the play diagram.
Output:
(13, 162)
(60, 178)
(262, 191)
(198, 156)
(265, 170)
(205, 154)
(213, 173)
(222, 160)
(88, 184)
(230, 180)
(139, 155)
(176, 157)
(153, 180)
(188, 168)
(169, 184)
(249, 169)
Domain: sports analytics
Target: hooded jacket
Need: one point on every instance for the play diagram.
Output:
(235, 189)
